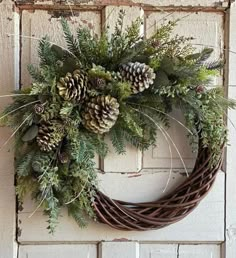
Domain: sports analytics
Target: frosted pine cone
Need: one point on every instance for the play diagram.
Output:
(100, 114)
(140, 75)
(50, 134)
(73, 86)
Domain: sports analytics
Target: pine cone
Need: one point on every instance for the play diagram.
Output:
(98, 83)
(140, 76)
(100, 114)
(38, 109)
(63, 157)
(200, 89)
(73, 86)
(50, 134)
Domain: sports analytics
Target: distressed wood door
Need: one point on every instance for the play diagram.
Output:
(135, 176)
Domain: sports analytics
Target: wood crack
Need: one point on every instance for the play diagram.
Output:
(178, 251)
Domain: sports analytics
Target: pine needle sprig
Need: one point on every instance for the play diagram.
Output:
(132, 32)
(72, 43)
(23, 166)
(36, 73)
(45, 54)
(117, 139)
(214, 65)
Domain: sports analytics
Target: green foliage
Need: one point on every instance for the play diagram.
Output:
(38, 88)
(88, 45)
(74, 210)
(100, 72)
(117, 139)
(120, 90)
(72, 43)
(30, 133)
(106, 51)
(46, 56)
(204, 55)
(23, 166)
(214, 65)
(66, 109)
(52, 111)
(35, 73)
(129, 118)
(25, 185)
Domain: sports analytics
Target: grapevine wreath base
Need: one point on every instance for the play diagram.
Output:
(124, 87)
(161, 213)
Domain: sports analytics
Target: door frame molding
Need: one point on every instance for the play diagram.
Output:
(229, 246)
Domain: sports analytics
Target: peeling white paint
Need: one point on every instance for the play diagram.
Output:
(8, 24)
(45, 2)
(189, 3)
(231, 233)
(58, 251)
(230, 243)
(16, 50)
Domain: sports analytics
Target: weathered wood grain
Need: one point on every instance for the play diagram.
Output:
(159, 156)
(156, 3)
(131, 161)
(8, 79)
(37, 24)
(117, 249)
(230, 244)
(158, 250)
(179, 251)
(188, 3)
(196, 251)
(58, 251)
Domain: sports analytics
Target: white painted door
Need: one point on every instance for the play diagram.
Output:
(135, 176)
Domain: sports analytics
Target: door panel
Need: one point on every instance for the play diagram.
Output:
(58, 251)
(135, 176)
(180, 251)
(9, 57)
(40, 23)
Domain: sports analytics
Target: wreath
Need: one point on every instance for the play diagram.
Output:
(124, 86)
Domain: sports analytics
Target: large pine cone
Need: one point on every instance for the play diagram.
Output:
(140, 76)
(73, 86)
(100, 114)
(50, 134)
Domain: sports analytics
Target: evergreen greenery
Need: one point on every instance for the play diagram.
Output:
(65, 175)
